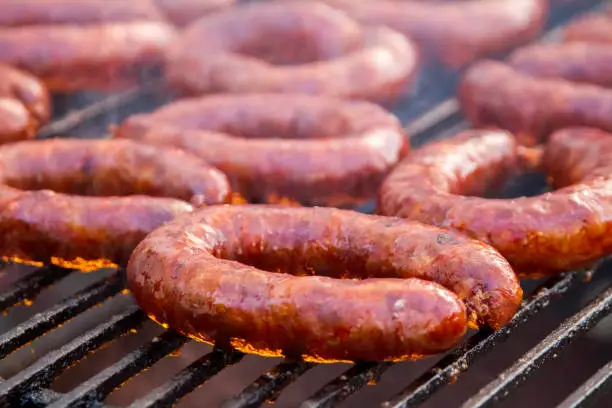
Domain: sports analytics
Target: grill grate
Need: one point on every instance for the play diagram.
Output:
(29, 387)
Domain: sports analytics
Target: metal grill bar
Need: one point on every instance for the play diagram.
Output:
(580, 322)
(45, 321)
(44, 370)
(447, 369)
(31, 285)
(592, 390)
(269, 385)
(188, 379)
(102, 384)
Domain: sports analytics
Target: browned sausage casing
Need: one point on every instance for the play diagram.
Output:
(60, 227)
(575, 61)
(71, 57)
(24, 104)
(455, 32)
(309, 149)
(493, 94)
(290, 48)
(224, 275)
(547, 234)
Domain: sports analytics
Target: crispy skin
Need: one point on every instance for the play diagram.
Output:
(60, 227)
(455, 32)
(543, 235)
(24, 104)
(102, 57)
(575, 61)
(34, 12)
(222, 275)
(183, 12)
(290, 48)
(310, 149)
(594, 28)
(493, 94)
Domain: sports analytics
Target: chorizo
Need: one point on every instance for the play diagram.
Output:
(290, 48)
(575, 61)
(493, 94)
(24, 104)
(45, 218)
(594, 28)
(304, 148)
(455, 33)
(96, 57)
(15, 13)
(223, 276)
(184, 12)
(542, 235)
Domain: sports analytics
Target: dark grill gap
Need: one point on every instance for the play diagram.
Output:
(434, 116)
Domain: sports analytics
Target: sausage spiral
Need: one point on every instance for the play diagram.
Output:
(207, 275)
(61, 227)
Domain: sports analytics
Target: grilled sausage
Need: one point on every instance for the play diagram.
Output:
(14, 13)
(458, 32)
(574, 61)
(542, 235)
(309, 149)
(290, 48)
(595, 28)
(59, 227)
(183, 12)
(102, 57)
(209, 276)
(493, 94)
(24, 104)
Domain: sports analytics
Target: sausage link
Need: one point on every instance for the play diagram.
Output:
(455, 32)
(593, 28)
(291, 48)
(39, 225)
(184, 12)
(308, 149)
(493, 94)
(24, 105)
(102, 57)
(14, 13)
(210, 277)
(542, 235)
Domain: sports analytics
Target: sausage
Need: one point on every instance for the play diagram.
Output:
(595, 28)
(24, 104)
(290, 48)
(575, 61)
(97, 57)
(221, 275)
(301, 148)
(62, 227)
(14, 13)
(543, 235)
(455, 33)
(184, 12)
(493, 94)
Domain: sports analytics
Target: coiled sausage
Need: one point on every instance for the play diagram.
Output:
(99, 57)
(493, 94)
(24, 104)
(309, 149)
(455, 33)
(554, 232)
(575, 61)
(290, 48)
(61, 227)
(207, 276)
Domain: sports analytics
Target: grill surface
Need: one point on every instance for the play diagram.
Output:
(103, 311)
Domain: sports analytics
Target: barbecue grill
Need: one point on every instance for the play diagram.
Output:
(71, 339)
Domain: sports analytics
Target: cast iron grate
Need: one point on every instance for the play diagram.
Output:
(30, 386)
